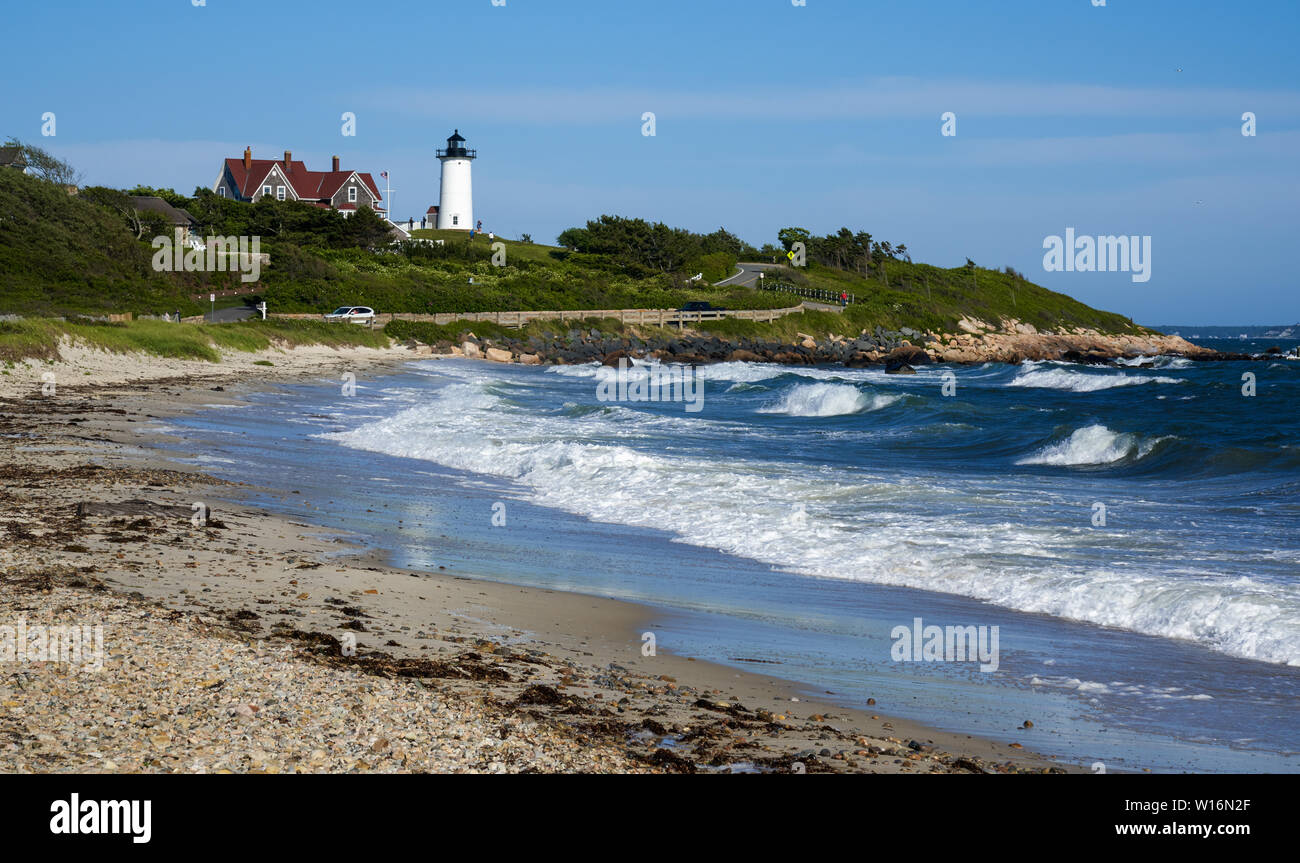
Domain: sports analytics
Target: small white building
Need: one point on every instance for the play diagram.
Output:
(456, 196)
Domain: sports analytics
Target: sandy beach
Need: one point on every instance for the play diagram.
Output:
(253, 643)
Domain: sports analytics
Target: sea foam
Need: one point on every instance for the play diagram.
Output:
(1083, 382)
(1092, 445)
(877, 529)
(827, 400)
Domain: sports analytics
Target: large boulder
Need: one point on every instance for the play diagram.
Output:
(499, 355)
(907, 355)
(470, 350)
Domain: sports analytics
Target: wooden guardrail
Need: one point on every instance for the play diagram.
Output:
(657, 317)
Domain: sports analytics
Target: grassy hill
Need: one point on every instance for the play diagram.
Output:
(922, 296)
(59, 254)
(64, 254)
(429, 278)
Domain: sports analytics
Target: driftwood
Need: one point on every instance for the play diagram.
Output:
(138, 507)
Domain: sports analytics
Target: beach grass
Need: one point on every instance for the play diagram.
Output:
(40, 338)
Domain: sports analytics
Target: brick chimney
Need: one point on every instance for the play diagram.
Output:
(336, 164)
(248, 158)
(288, 157)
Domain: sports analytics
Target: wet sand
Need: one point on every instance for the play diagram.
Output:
(568, 664)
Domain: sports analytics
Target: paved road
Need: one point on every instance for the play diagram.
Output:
(747, 274)
(823, 307)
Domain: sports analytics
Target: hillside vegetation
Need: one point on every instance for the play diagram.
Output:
(88, 253)
(924, 297)
(60, 253)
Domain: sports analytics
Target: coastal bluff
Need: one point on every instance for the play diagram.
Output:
(1011, 342)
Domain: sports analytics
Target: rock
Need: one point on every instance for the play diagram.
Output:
(1092, 358)
(499, 355)
(907, 355)
(611, 359)
(530, 359)
(900, 370)
(470, 350)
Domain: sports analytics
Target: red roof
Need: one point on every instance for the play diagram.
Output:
(431, 211)
(308, 185)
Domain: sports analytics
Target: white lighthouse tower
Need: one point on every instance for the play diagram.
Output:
(456, 200)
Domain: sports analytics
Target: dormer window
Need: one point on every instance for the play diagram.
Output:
(352, 194)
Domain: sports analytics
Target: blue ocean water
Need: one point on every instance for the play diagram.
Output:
(1130, 530)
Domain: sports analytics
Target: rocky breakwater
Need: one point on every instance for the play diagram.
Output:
(897, 350)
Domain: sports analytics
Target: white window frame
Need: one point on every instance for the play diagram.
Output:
(279, 193)
(266, 190)
(221, 190)
(352, 194)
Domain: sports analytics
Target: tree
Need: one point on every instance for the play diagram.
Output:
(862, 252)
(46, 166)
(366, 229)
(171, 196)
(574, 238)
(142, 223)
(724, 241)
(790, 236)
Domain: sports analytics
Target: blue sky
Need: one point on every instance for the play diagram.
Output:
(767, 115)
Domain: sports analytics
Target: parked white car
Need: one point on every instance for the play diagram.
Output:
(353, 314)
